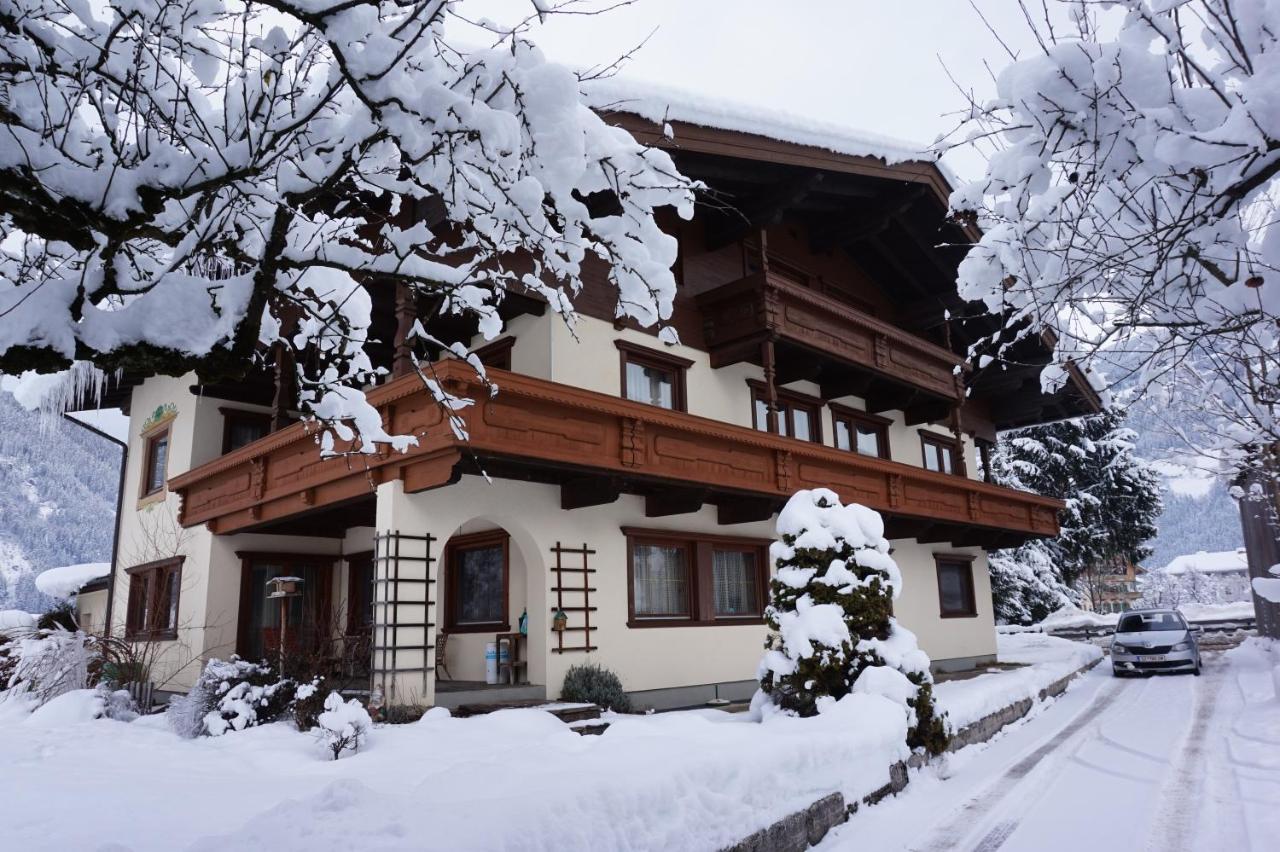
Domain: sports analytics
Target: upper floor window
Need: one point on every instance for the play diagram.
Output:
(242, 427)
(155, 462)
(860, 432)
(685, 578)
(939, 453)
(798, 415)
(653, 377)
(497, 355)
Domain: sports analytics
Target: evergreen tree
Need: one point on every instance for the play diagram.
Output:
(1112, 497)
(830, 616)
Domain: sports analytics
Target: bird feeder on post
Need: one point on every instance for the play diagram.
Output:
(282, 589)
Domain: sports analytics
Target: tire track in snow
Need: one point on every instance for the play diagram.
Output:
(945, 838)
(1180, 797)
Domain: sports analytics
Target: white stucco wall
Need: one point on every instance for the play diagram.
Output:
(644, 657)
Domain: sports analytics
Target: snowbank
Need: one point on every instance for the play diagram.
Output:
(515, 779)
(69, 579)
(16, 619)
(1047, 659)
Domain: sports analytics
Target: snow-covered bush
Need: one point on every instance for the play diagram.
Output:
(308, 703)
(1025, 584)
(594, 684)
(231, 695)
(830, 615)
(49, 663)
(343, 725)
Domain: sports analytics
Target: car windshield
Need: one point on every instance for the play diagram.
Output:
(1138, 622)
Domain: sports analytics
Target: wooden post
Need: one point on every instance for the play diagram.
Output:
(770, 385)
(406, 314)
(286, 385)
(957, 429)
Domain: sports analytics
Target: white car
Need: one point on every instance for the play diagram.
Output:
(1154, 640)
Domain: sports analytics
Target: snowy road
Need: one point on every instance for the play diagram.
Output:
(1167, 763)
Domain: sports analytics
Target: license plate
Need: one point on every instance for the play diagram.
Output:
(1153, 658)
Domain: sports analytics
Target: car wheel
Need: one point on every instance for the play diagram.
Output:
(1196, 670)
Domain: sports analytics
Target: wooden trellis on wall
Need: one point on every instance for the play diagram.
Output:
(578, 607)
(403, 604)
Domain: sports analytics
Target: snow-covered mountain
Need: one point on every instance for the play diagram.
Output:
(1199, 513)
(57, 500)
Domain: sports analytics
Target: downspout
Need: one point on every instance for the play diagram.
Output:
(115, 535)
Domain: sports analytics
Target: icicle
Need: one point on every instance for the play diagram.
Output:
(52, 394)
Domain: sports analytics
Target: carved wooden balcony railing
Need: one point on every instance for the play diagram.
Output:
(567, 434)
(739, 316)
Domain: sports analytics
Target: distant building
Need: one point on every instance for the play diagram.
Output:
(1227, 571)
(1112, 587)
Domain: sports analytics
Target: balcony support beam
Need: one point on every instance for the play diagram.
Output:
(673, 502)
(582, 492)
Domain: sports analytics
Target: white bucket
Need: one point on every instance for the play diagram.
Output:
(491, 660)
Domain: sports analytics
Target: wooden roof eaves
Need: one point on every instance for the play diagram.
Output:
(748, 146)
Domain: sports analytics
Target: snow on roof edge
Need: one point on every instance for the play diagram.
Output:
(1213, 562)
(66, 580)
(660, 103)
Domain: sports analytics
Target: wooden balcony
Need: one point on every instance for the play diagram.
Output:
(822, 339)
(595, 447)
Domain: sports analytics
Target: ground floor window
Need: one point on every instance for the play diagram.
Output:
(687, 578)
(477, 583)
(955, 587)
(154, 589)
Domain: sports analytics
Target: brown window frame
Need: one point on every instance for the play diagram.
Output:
(141, 614)
(631, 353)
(699, 548)
(148, 459)
(496, 355)
(928, 439)
(354, 561)
(788, 400)
(323, 602)
(476, 541)
(852, 417)
(964, 562)
(230, 416)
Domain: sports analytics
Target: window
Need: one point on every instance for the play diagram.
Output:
(155, 461)
(939, 453)
(360, 593)
(688, 579)
(652, 377)
(153, 599)
(735, 580)
(242, 427)
(660, 580)
(955, 587)
(477, 583)
(797, 413)
(860, 432)
(303, 623)
(496, 355)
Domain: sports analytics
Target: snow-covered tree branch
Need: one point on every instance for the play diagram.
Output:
(1129, 202)
(196, 184)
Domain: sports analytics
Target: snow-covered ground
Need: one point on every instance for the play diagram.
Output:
(1047, 659)
(515, 779)
(1167, 763)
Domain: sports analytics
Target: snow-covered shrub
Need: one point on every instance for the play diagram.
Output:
(49, 663)
(308, 703)
(117, 704)
(830, 615)
(61, 616)
(231, 695)
(594, 684)
(1025, 584)
(342, 725)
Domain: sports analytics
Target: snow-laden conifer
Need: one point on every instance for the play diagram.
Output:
(831, 618)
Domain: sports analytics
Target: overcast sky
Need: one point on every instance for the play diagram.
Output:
(870, 64)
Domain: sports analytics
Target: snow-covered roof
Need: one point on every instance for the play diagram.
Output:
(69, 579)
(660, 103)
(1217, 562)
